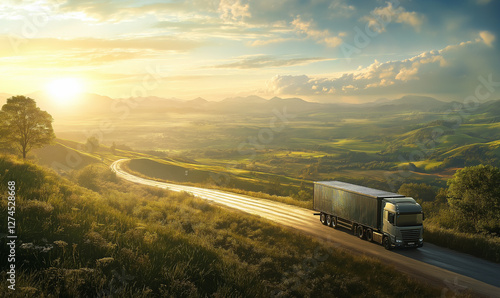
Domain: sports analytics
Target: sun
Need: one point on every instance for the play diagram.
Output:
(65, 90)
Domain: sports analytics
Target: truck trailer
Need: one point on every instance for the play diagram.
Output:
(390, 219)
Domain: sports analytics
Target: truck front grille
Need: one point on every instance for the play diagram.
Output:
(410, 235)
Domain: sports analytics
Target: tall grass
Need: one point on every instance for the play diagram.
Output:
(486, 247)
(113, 238)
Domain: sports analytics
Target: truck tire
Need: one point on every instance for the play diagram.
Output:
(334, 222)
(361, 232)
(322, 218)
(369, 235)
(354, 229)
(329, 220)
(387, 243)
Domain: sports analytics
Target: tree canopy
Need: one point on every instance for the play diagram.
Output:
(474, 192)
(24, 126)
(419, 191)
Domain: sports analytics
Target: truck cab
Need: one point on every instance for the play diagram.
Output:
(402, 222)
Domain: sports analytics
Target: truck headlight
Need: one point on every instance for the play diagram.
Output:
(399, 241)
(421, 239)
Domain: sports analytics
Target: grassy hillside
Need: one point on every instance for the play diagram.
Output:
(314, 141)
(59, 154)
(268, 176)
(92, 234)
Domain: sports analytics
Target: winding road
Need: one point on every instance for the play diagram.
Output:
(445, 268)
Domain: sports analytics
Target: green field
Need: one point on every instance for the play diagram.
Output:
(379, 148)
(93, 235)
(366, 145)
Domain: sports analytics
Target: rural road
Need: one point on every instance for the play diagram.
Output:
(450, 270)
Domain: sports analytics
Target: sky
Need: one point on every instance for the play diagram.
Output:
(325, 51)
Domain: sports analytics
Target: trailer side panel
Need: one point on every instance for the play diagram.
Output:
(355, 207)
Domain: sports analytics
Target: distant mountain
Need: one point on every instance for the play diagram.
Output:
(293, 100)
(412, 103)
(252, 99)
(415, 100)
(258, 105)
(487, 112)
(197, 102)
(90, 106)
(490, 107)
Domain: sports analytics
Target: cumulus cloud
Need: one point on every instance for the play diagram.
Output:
(289, 84)
(321, 36)
(449, 70)
(233, 10)
(381, 16)
(263, 61)
(487, 37)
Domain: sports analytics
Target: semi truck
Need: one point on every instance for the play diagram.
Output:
(387, 218)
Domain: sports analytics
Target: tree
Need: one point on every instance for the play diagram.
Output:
(474, 192)
(24, 125)
(420, 192)
(92, 144)
(274, 185)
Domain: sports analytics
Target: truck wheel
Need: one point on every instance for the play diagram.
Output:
(334, 222)
(322, 218)
(387, 243)
(354, 229)
(369, 235)
(329, 220)
(361, 233)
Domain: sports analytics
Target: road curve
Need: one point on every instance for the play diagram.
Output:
(451, 270)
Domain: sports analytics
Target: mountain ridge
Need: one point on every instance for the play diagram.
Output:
(99, 105)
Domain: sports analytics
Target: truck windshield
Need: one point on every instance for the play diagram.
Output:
(404, 220)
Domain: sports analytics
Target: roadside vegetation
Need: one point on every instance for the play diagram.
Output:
(91, 234)
(465, 216)
(444, 224)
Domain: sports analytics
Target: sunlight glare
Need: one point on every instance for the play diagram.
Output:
(65, 90)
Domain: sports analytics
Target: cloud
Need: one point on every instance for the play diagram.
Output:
(487, 37)
(75, 59)
(51, 45)
(206, 28)
(452, 70)
(381, 16)
(289, 84)
(115, 10)
(263, 61)
(339, 8)
(321, 36)
(233, 10)
(264, 42)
